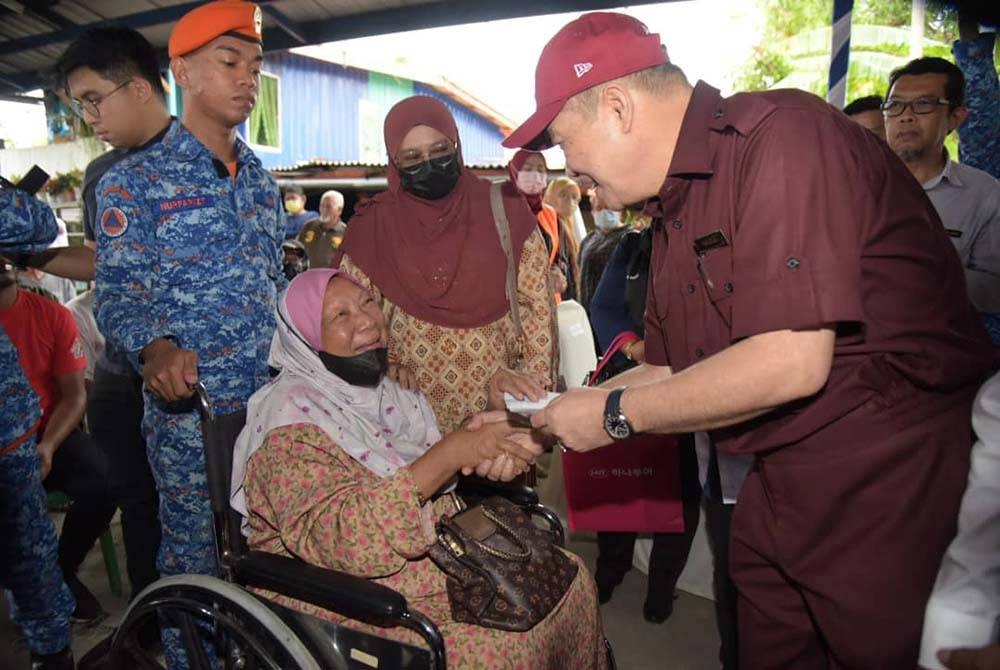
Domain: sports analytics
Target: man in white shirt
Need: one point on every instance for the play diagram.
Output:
(925, 103)
(962, 620)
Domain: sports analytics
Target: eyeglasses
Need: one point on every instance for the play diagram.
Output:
(92, 106)
(412, 157)
(919, 106)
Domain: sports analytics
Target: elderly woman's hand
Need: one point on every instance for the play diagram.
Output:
(503, 467)
(403, 376)
(492, 446)
(521, 385)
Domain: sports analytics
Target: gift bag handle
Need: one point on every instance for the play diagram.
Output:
(622, 340)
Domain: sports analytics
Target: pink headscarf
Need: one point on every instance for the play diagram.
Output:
(304, 301)
(382, 428)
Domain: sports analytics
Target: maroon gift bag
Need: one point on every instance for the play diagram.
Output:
(632, 485)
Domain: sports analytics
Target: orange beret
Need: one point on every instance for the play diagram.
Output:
(203, 24)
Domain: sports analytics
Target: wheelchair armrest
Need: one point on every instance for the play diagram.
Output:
(353, 597)
(474, 489)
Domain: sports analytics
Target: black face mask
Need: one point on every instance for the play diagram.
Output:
(365, 369)
(432, 179)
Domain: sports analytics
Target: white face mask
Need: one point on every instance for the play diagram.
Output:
(530, 182)
(606, 219)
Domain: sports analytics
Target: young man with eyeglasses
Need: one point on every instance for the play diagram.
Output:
(925, 103)
(189, 234)
(112, 77)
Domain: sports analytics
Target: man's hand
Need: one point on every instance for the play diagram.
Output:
(576, 419)
(521, 385)
(46, 451)
(987, 658)
(169, 371)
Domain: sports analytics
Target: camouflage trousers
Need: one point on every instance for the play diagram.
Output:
(177, 459)
(39, 600)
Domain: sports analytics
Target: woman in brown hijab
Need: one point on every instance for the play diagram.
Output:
(429, 250)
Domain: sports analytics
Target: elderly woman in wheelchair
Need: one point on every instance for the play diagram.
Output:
(343, 468)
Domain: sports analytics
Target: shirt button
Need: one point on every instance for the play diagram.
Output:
(717, 114)
(676, 223)
(792, 262)
(699, 352)
(690, 288)
(728, 287)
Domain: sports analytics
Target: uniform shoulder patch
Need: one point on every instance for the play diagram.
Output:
(114, 223)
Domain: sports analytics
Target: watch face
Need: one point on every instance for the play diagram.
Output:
(617, 427)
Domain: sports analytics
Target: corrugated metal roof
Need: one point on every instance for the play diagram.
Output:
(33, 34)
(320, 164)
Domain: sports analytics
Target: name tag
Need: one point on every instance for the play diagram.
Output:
(952, 232)
(714, 240)
(183, 204)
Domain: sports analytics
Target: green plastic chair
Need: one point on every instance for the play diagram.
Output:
(58, 502)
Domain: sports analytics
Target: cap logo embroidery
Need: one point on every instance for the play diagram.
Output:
(258, 20)
(582, 69)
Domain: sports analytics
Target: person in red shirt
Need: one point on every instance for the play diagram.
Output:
(805, 306)
(45, 336)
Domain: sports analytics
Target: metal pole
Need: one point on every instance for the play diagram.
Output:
(840, 52)
(917, 28)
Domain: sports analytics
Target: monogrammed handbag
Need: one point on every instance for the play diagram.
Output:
(502, 571)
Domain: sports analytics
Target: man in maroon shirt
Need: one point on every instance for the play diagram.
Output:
(805, 306)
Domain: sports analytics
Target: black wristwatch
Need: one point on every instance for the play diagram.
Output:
(615, 422)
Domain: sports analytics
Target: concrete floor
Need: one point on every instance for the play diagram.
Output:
(687, 641)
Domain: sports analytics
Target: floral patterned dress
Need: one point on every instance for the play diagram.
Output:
(454, 365)
(309, 499)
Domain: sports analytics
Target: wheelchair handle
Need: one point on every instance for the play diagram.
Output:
(205, 401)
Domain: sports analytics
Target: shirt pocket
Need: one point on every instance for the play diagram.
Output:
(715, 276)
(196, 235)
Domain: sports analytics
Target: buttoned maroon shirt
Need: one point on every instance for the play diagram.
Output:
(778, 212)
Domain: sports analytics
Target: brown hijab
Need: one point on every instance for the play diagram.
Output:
(440, 260)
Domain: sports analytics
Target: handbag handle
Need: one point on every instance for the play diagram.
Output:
(622, 340)
(503, 230)
(449, 526)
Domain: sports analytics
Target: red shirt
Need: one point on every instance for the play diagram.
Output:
(45, 336)
(778, 212)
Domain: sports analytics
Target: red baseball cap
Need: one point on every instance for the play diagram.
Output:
(593, 49)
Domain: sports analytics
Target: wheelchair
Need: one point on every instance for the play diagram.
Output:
(249, 632)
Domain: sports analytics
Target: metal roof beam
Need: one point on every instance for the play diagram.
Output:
(141, 20)
(290, 27)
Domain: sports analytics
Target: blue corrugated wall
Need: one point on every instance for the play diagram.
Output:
(480, 138)
(319, 114)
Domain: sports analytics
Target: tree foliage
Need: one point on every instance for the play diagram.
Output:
(776, 61)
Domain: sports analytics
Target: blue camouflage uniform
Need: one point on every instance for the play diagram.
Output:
(40, 602)
(187, 252)
(979, 136)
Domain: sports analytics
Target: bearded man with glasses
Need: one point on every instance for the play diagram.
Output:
(926, 102)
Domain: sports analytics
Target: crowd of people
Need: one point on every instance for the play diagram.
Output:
(815, 295)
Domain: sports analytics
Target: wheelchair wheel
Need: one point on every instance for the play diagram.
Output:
(242, 631)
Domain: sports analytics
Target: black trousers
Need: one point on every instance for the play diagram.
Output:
(114, 414)
(718, 519)
(80, 470)
(670, 550)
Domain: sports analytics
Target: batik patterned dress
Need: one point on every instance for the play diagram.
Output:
(454, 365)
(309, 499)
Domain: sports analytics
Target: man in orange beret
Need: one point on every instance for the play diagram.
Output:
(189, 265)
